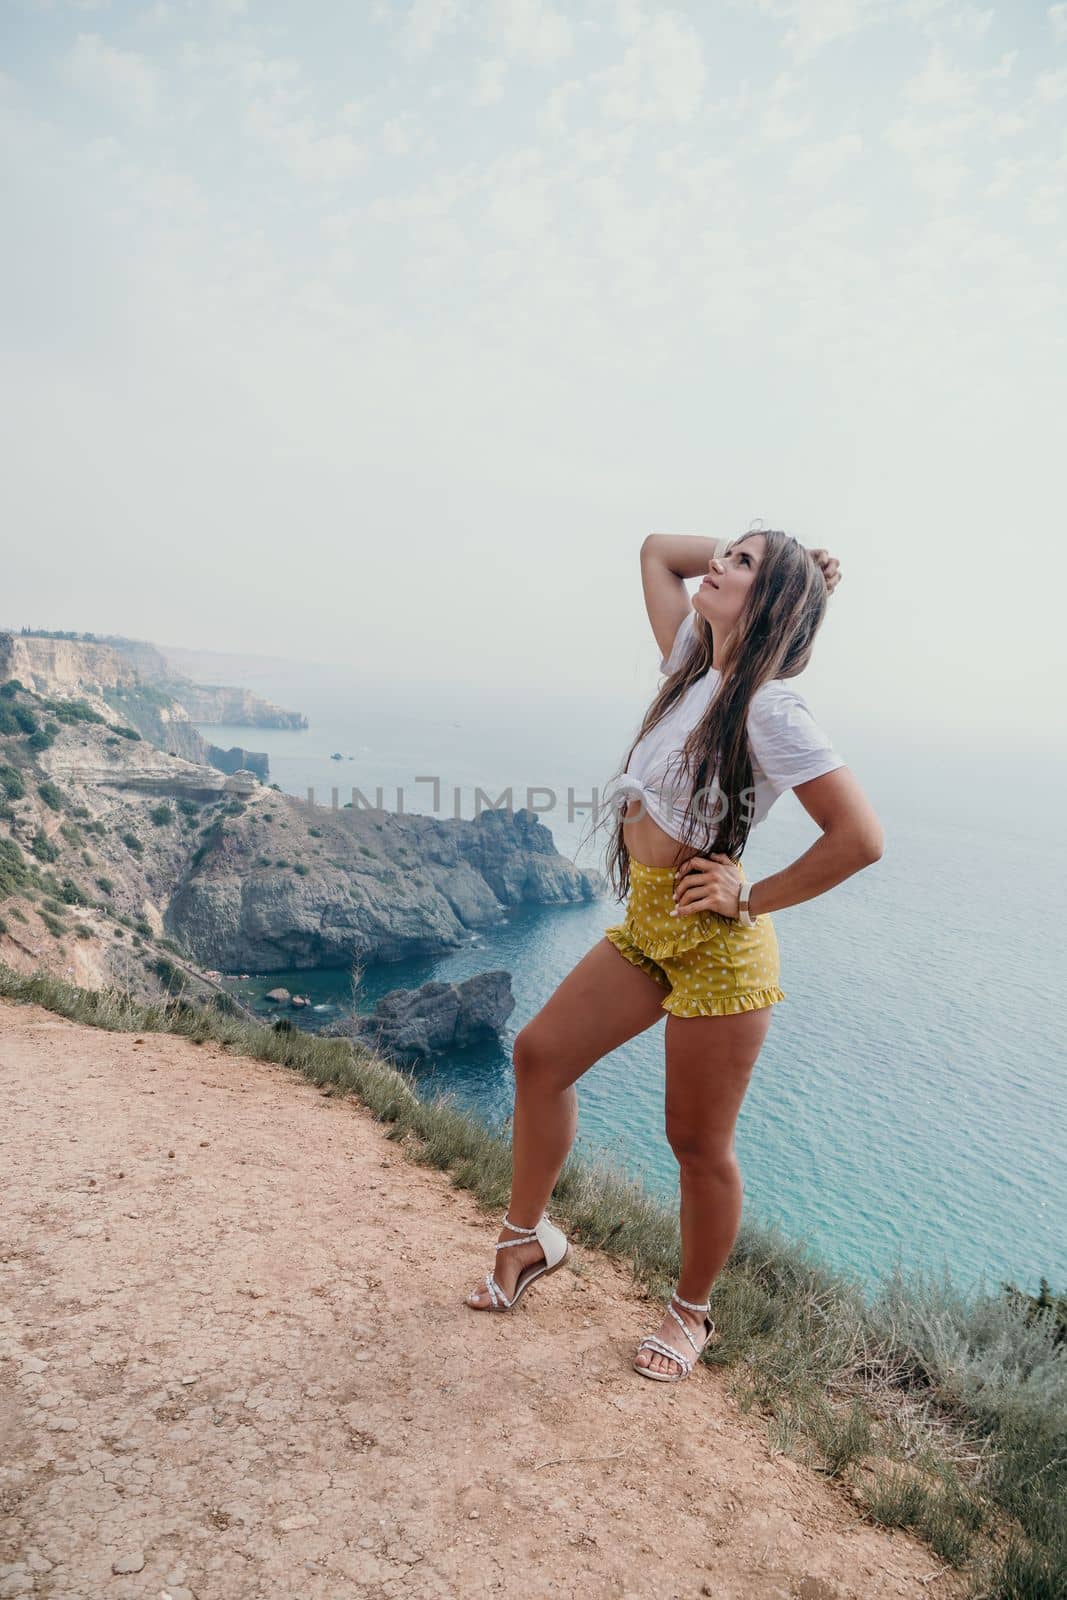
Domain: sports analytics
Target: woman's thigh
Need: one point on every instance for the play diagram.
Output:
(709, 1064)
(601, 1003)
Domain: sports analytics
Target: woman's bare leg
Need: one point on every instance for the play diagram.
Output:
(709, 1064)
(601, 1003)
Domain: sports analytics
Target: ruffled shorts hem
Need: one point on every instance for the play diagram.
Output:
(724, 1005)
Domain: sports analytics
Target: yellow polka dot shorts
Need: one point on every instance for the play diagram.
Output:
(710, 965)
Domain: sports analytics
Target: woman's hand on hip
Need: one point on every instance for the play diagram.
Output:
(707, 883)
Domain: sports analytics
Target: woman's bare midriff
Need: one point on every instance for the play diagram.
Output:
(648, 842)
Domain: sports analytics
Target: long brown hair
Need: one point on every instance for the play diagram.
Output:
(773, 638)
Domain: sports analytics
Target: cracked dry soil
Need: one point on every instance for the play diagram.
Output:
(235, 1363)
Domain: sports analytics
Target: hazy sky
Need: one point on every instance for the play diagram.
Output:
(381, 334)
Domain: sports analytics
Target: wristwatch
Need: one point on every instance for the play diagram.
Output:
(744, 916)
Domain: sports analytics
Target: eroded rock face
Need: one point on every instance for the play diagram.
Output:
(128, 680)
(374, 887)
(409, 1025)
(161, 861)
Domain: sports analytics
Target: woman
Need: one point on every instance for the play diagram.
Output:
(724, 736)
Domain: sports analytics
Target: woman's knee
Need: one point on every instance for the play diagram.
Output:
(535, 1059)
(702, 1157)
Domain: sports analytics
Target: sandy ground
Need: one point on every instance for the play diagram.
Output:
(235, 1362)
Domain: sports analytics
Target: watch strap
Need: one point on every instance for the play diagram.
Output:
(745, 917)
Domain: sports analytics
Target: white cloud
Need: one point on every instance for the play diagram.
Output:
(940, 82)
(274, 76)
(778, 124)
(301, 147)
(401, 134)
(122, 76)
(1052, 86)
(821, 163)
(1045, 204)
(529, 29)
(659, 79)
(814, 24)
(972, 22)
(1057, 16)
(489, 82)
(553, 115)
(923, 141)
(426, 21)
(778, 120)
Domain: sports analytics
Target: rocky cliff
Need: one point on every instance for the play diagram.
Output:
(119, 860)
(131, 681)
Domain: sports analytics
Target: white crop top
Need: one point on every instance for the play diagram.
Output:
(786, 745)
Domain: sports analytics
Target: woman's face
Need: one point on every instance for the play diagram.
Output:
(721, 595)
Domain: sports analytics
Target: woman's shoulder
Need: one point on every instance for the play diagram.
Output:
(777, 694)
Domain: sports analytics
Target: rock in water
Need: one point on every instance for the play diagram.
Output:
(409, 1025)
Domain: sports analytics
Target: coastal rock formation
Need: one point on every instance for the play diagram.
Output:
(409, 1025)
(237, 759)
(285, 886)
(121, 864)
(130, 681)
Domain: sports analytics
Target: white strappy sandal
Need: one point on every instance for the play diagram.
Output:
(664, 1349)
(553, 1242)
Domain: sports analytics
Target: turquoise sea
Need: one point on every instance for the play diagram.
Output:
(908, 1105)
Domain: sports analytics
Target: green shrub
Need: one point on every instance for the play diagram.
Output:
(171, 977)
(43, 848)
(11, 783)
(71, 895)
(71, 832)
(83, 932)
(131, 841)
(72, 711)
(3, 926)
(51, 796)
(161, 815)
(105, 885)
(189, 808)
(25, 719)
(124, 733)
(41, 740)
(301, 869)
(54, 925)
(10, 688)
(13, 869)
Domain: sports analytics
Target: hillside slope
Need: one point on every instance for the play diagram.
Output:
(234, 1359)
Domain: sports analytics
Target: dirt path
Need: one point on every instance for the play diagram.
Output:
(235, 1361)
